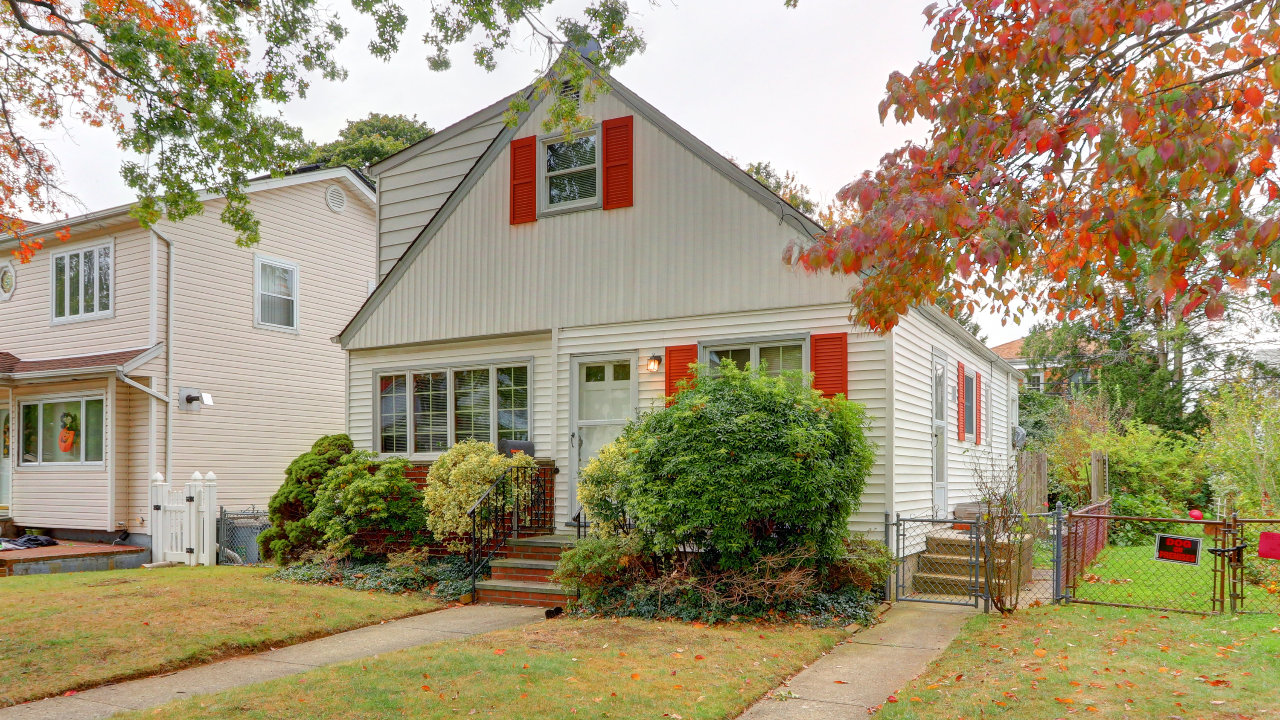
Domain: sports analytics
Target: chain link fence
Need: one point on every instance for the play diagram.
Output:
(238, 532)
(1257, 589)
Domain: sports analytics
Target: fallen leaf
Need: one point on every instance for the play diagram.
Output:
(1065, 701)
(499, 651)
(1041, 652)
(635, 676)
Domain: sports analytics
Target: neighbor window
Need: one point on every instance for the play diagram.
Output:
(1035, 381)
(441, 407)
(82, 283)
(276, 291)
(571, 172)
(970, 400)
(777, 358)
(63, 431)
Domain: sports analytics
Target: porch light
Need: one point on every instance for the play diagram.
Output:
(655, 362)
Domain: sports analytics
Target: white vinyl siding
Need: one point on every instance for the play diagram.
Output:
(410, 193)
(275, 293)
(81, 283)
(663, 258)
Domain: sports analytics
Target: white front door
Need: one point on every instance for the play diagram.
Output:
(604, 399)
(939, 435)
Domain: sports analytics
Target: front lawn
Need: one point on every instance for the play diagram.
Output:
(1052, 662)
(558, 669)
(64, 632)
(1130, 576)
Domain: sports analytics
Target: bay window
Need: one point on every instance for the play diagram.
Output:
(62, 431)
(427, 411)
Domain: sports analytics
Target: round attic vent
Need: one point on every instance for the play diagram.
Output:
(335, 198)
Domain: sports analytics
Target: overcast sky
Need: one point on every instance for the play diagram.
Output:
(755, 80)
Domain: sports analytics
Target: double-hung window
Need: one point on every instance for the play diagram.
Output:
(82, 283)
(63, 431)
(275, 294)
(776, 357)
(970, 403)
(571, 172)
(427, 411)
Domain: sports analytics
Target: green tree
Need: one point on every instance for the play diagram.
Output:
(785, 186)
(363, 142)
(1242, 444)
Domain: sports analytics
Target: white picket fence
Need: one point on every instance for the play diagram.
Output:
(184, 520)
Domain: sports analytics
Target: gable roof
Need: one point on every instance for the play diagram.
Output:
(680, 135)
(406, 154)
(102, 219)
(1009, 350)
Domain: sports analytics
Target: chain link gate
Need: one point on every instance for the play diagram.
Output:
(938, 561)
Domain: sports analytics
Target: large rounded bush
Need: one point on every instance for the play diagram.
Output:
(739, 466)
(456, 481)
(368, 508)
(290, 535)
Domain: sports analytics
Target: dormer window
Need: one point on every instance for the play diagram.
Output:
(571, 173)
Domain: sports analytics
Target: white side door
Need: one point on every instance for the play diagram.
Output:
(939, 435)
(603, 401)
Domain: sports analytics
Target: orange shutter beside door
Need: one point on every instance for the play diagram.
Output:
(616, 136)
(960, 395)
(524, 180)
(829, 360)
(677, 362)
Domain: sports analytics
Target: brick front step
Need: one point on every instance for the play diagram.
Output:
(522, 569)
(521, 592)
(543, 547)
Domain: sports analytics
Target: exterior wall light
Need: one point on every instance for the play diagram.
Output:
(654, 363)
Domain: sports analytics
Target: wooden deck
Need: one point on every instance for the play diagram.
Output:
(49, 559)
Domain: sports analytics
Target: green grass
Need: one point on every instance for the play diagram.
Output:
(560, 669)
(1094, 661)
(1131, 576)
(77, 630)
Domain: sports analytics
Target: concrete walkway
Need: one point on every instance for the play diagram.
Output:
(149, 692)
(872, 665)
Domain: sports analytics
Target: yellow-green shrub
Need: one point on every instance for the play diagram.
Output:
(457, 479)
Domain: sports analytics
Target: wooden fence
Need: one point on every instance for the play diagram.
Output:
(1033, 482)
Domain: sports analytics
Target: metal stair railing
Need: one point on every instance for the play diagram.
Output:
(519, 498)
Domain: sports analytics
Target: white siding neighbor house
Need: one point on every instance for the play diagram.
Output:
(542, 289)
(104, 336)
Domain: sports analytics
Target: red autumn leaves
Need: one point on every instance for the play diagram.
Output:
(1061, 174)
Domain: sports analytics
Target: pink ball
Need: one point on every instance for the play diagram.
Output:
(1196, 515)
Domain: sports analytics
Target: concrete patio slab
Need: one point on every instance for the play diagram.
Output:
(103, 702)
(864, 671)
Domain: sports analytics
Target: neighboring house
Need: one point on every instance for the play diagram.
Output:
(1045, 377)
(544, 289)
(104, 337)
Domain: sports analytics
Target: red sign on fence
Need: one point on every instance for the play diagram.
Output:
(1178, 549)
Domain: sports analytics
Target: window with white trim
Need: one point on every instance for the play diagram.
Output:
(571, 172)
(777, 357)
(970, 400)
(275, 294)
(62, 431)
(81, 283)
(427, 411)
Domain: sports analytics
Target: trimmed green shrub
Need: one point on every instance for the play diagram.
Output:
(602, 486)
(596, 565)
(290, 536)
(741, 465)
(444, 578)
(867, 564)
(366, 508)
(456, 481)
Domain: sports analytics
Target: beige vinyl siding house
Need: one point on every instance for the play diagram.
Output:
(189, 311)
(659, 252)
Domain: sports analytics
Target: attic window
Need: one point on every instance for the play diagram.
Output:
(335, 198)
(571, 172)
(567, 90)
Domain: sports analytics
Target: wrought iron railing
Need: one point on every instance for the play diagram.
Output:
(582, 524)
(521, 500)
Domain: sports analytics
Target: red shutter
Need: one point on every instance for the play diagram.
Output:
(524, 180)
(677, 362)
(617, 162)
(977, 408)
(960, 395)
(829, 359)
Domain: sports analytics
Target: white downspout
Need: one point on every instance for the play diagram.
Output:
(168, 360)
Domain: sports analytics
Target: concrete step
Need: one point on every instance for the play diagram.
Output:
(945, 564)
(522, 569)
(521, 592)
(542, 547)
(940, 584)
